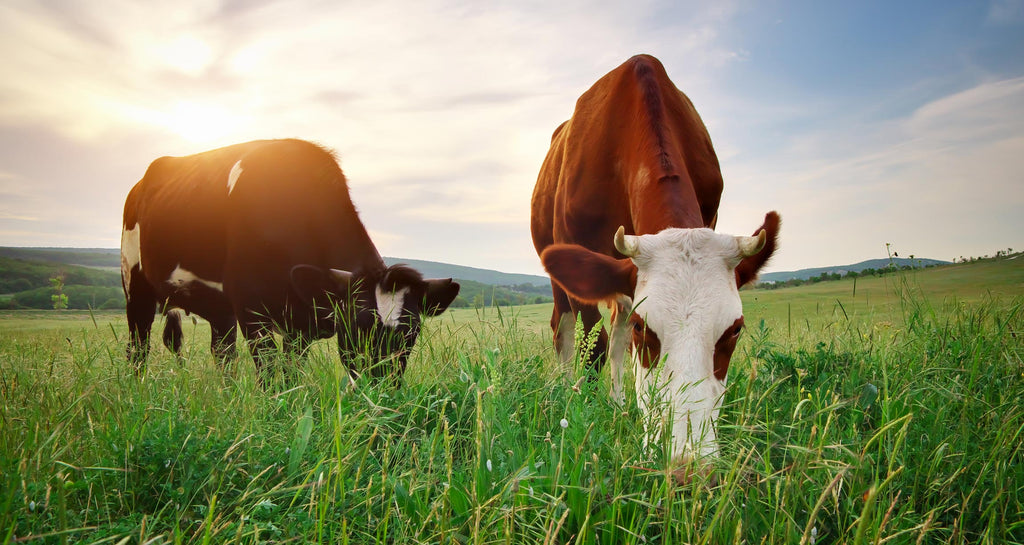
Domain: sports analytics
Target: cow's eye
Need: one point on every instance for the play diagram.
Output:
(734, 330)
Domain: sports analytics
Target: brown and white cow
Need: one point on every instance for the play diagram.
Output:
(624, 213)
(264, 235)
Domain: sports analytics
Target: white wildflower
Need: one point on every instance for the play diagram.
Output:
(564, 423)
(489, 467)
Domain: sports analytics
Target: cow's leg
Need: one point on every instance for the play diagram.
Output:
(563, 324)
(260, 338)
(222, 338)
(295, 345)
(591, 316)
(620, 337)
(140, 310)
(173, 335)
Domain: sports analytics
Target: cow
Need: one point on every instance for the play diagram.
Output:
(263, 236)
(623, 213)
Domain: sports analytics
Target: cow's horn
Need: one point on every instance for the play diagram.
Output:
(341, 278)
(627, 245)
(752, 245)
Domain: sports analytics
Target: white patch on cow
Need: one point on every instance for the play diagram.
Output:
(131, 255)
(390, 305)
(236, 171)
(182, 278)
(687, 291)
(619, 339)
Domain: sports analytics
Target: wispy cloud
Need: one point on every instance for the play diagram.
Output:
(1006, 11)
(926, 182)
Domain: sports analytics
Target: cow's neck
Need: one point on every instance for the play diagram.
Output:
(352, 249)
(666, 202)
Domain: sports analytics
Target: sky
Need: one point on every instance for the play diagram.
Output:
(863, 123)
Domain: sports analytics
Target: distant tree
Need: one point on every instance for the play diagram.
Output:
(111, 304)
(59, 298)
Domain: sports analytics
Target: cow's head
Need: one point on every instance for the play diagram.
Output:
(376, 316)
(684, 284)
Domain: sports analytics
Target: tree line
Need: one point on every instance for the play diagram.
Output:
(30, 284)
(875, 272)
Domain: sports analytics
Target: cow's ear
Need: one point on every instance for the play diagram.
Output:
(439, 295)
(315, 285)
(589, 276)
(747, 270)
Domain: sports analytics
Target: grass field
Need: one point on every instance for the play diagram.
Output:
(891, 415)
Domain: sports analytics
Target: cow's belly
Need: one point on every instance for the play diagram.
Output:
(202, 301)
(182, 288)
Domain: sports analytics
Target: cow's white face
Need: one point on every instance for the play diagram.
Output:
(687, 317)
(686, 302)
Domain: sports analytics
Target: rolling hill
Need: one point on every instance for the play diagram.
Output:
(804, 274)
(110, 258)
(433, 269)
(92, 279)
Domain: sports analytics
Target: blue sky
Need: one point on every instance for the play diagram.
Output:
(862, 123)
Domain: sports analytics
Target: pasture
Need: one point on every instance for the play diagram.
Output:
(893, 413)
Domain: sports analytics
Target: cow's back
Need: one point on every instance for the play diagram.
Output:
(178, 210)
(232, 222)
(635, 153)
(291, 206)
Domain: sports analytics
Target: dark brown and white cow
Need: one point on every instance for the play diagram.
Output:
(624, 213)
(264, 235)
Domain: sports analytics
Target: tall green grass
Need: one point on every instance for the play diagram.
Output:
(901, 426)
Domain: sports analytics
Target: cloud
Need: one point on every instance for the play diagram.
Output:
(980, 114)
(929, 181)
(446, 92)
(441, 112)
(1006, 12)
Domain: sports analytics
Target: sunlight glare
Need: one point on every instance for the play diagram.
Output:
(201, 123)
(186, 54)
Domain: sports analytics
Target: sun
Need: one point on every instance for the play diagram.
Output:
(201, 123)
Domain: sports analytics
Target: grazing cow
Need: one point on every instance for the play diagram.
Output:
(264, 235)
(624, 213)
